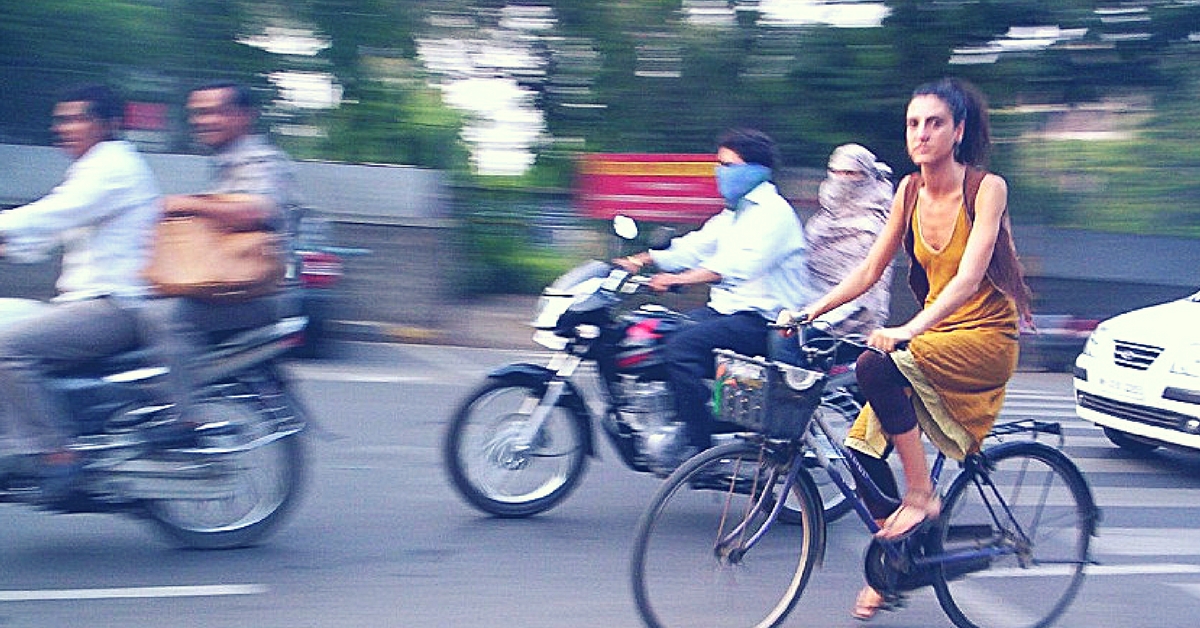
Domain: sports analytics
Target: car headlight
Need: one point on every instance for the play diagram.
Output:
(1099, 343)
(1187, 360)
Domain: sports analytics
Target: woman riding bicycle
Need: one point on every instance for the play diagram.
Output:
(962, 345)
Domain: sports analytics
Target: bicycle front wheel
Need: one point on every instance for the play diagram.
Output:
(707, 551)
(1031, 509)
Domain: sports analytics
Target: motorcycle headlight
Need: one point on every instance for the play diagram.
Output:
(1187, 361)
(1099, 343)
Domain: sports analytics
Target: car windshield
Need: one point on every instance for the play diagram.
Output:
(1195, 298)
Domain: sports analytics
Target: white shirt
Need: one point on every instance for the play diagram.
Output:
(103, 213)
(758, 250)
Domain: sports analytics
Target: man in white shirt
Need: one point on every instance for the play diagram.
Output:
(103, 215)
(753, 255)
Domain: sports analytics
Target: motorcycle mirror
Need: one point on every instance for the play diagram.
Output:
(625, 227)
(660, 238)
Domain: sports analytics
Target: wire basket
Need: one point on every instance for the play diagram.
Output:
(770, 398)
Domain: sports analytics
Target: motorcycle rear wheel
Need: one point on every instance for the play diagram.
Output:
(493, 469)
(267, 481)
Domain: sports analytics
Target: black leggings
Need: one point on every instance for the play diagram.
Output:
(881, 474)
(887, 390)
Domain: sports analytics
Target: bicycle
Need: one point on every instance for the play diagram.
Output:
(1018, 510)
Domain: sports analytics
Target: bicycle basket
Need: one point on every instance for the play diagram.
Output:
(771, 398)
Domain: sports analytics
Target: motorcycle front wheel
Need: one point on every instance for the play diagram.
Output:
(264, 484)
(501, 469)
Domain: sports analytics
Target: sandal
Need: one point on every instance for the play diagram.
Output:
(918, 509)
(868, 602)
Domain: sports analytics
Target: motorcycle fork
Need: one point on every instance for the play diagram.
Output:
(564, 366)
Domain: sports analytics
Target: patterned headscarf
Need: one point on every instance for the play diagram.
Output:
(852, 213)
(850, 197)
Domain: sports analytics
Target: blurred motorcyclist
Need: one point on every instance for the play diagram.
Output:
(103, 215)
(252, 188)
(753, 254)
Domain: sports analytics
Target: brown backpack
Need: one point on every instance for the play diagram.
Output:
(1004, 270)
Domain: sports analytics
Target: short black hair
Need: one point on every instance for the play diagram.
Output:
(241, 96)
(103, 101)
(752, 145)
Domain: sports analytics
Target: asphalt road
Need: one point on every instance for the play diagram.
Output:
(380, 539)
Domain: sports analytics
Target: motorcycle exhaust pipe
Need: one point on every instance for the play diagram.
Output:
(158, 479)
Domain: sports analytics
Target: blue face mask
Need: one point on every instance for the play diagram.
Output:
(736, 180)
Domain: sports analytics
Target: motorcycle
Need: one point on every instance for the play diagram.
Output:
(228, 486)
(519, 444)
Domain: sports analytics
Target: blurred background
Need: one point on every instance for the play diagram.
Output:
(441, 140)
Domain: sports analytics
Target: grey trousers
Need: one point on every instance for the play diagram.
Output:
(174, 332)
(65, 335)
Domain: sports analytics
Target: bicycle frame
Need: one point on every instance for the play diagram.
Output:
(810, 446)
(1020, 504)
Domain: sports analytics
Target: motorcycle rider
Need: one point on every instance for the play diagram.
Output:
(252, 188)
(753, 255)
(103, 215)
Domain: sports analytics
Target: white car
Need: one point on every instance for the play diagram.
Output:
(1139, 377)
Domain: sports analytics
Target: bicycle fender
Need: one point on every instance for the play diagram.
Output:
(538, 377)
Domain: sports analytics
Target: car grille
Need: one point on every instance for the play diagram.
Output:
(1132, 411)
(1135, 356)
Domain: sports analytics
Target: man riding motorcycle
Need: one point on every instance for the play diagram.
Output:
(753, 254)
(103, 215)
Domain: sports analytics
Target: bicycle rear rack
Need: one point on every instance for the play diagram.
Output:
(1032, 427)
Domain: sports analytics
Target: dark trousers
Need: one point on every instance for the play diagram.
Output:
(690, 363)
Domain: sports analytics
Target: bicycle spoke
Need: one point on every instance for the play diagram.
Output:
(708, 552)
(1031, 512)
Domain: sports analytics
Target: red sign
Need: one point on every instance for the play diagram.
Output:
(674, 188)
(146, 116)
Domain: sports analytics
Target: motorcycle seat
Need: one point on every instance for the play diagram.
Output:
(217, 321)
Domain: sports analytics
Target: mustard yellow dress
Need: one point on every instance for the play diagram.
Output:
(960, 367)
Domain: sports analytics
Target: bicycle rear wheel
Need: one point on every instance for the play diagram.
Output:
(1034, 510)
(704, 553)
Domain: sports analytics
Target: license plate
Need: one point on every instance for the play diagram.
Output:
(1119, 388)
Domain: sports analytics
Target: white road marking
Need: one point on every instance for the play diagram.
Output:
(1113, 465)
(1093, 570)
(354, 374)
(132, 592)
(1147, 542)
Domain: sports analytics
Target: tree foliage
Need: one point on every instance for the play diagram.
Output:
(642, 75)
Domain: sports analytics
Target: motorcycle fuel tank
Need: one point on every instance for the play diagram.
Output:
(645, 334)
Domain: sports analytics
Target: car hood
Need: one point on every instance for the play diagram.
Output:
(1159, 325)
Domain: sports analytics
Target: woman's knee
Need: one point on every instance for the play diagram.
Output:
(871, 369)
